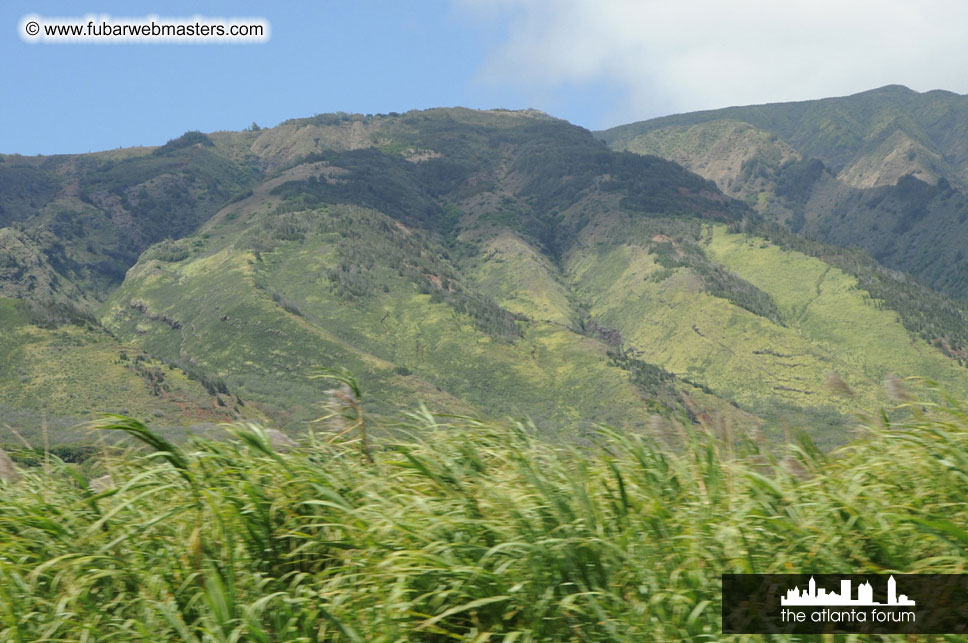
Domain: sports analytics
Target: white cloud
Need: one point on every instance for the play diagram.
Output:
(684, 55)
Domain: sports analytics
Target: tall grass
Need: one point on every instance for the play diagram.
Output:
(465, 531)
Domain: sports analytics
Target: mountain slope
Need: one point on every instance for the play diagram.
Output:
(884, 170)
(88, 217)
(842, 132)
(58, 371)
(387, 265)
(481, 262)
(509, 278)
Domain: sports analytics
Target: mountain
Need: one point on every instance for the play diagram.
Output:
(866, 140)
(488, 263)
(395, 261)
(885, 170)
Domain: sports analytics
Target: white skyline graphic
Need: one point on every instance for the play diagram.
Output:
(811, 595)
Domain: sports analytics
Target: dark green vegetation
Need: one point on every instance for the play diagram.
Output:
(70, 226)
(464, 531)
(489, 263)
(885, 171)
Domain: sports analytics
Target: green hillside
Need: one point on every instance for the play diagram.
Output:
(80, 221)
(56, 372)
(357, 291)
(507, 331)
(742, 160)
(884, 171)
(844, 132)
(767, 364)
(486, 263)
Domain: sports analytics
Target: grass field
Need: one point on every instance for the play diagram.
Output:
(461, 530)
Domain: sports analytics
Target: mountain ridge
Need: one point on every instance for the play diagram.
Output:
(482, 262)
(883, 170)
(835, 129)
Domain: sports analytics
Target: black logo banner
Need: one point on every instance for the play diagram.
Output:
(845, 603)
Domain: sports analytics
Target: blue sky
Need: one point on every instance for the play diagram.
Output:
(596, 63)
(367, 57)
